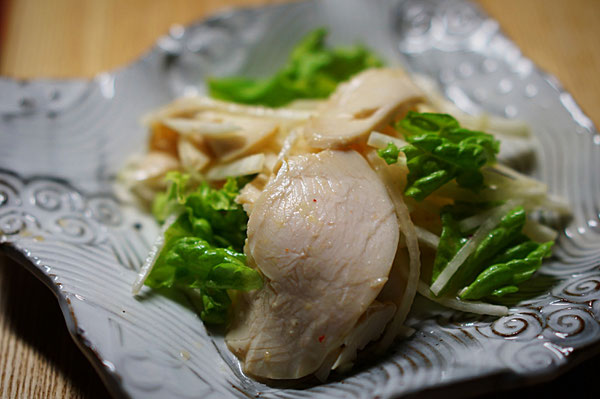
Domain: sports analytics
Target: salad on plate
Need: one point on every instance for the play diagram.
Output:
(305, 211)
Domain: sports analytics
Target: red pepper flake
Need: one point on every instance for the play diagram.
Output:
(314, 200)
(321, 338)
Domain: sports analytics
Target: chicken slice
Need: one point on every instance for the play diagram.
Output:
(324, 234)
(367, 102)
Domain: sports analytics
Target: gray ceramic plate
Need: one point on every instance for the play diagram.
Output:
(62, 142)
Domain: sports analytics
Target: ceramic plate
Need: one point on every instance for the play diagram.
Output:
(62, 142)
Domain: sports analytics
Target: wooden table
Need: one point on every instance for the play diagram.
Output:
(79, 38)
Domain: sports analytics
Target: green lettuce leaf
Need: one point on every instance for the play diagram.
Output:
(440, 151)
(215, 306)
(171, 201)
(490, 251)
(516, 266)
(503, 260)
(312, 71)
(451, 241)
(212, 213)
(202, 252)
(389, 153)
(504, 234)
(216, 217)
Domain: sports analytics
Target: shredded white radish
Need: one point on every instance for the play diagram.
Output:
(369, 328)
(498, 167)
(538, 232)
(548, 202)
(503, 194)
(394, 182)
(454, 191)
(150, 261)
(504, 176)
(483, 121)
(427, 237)
(195, 126)
(380, 140)
(511, 127)
(246, 166)
(533, 198)
(470, 246)
(496, 125)
(510, 183)
(463, 306)
(474, 221)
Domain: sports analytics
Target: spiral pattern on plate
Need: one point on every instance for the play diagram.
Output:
(572, 326)
(580, 289)
(522, 326)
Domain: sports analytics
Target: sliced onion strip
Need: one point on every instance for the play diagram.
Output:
(427, 237)
(380, 140)
(194, 104)
(539, 232)
(474, 221)
(463, 306)
(150, 261)
(395, 189)
(194, 126)
(245, 166)
(483, 121)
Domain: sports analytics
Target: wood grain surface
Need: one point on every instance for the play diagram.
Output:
(79, 38)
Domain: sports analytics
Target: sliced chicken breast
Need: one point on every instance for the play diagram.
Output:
(324, 234)
(367, 102)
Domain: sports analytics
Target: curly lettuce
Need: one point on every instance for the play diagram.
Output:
(504, 259)
(202, 251)
(312, 71)
(440, 151)
(515, 266)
